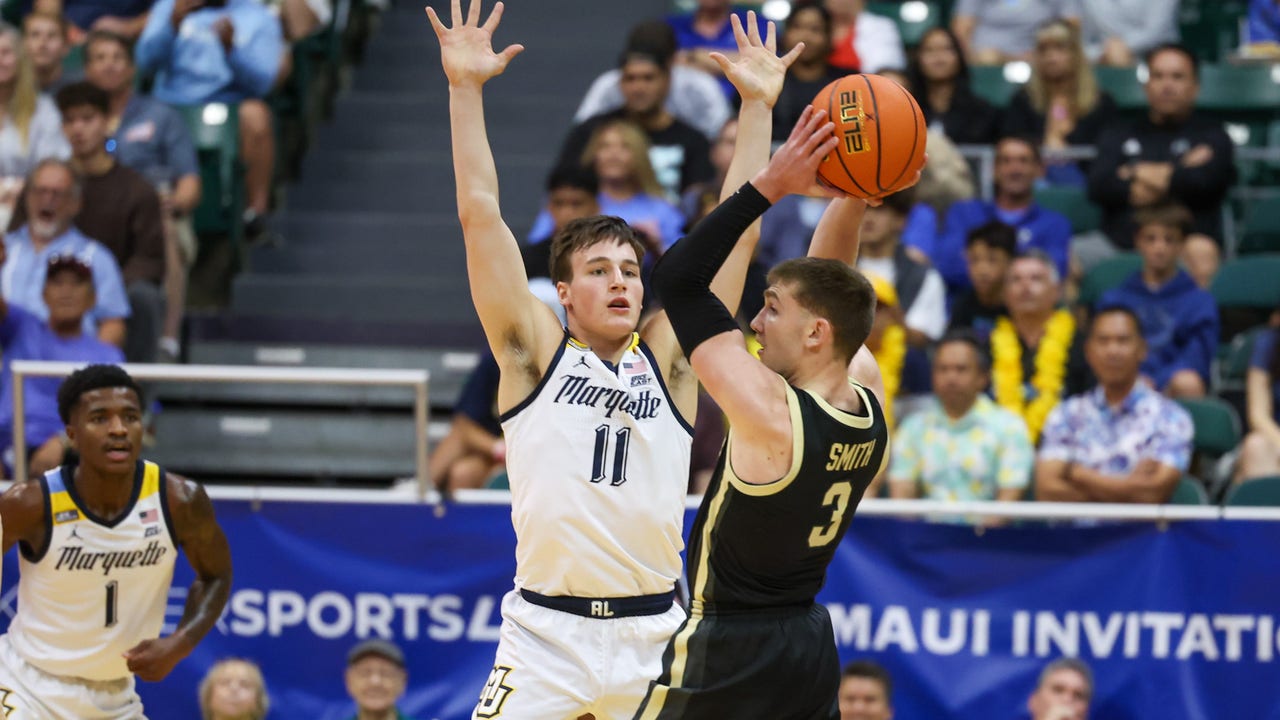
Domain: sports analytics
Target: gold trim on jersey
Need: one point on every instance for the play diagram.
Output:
(150, 480)
(844, 417)
(578, 344)
(63, 509)
(679, 662)
(797, 456)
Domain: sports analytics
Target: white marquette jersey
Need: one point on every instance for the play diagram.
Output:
(598, 459)
(96, 589)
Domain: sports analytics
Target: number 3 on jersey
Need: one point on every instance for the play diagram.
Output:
(600, 461)
(837, 495)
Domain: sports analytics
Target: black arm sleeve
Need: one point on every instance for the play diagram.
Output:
(682, 277)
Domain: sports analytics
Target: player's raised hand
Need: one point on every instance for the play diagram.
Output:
(794, 166)
(466, 49)
(153, 660)
(757, 71)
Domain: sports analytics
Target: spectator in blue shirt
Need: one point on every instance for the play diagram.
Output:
(708, 29)
(1260, 452)
(52, 199)
(153, 139)
(473, 450)
(1121, 441)
(68, 293)
(1179, 319)
(1018, 166)
(1262, 35)
(228, 51)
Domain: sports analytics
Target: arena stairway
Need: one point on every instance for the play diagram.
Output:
(369, 267)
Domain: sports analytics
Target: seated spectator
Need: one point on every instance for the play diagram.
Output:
(1262, 34)
(30, 129)
(862, 41)
(68, 296)
(810, 72)
(679, 154)
(119, 209)
(572, 192)
(866, 692)
(989, 250)
(997, 31)
(888, 342)
(301, 19)
(695, 96)
(473, 451)
(1064, 691)
(1172, 154)
(918, 287)
(705, 30)
(1260, 451)
(44, 39)
(1118, 32)
(153, 139)
(230, 51)
(963, 446)
(1061, 104)
(701, 198)
(122, 17)
(1121, 441)
(233, 689)
(619, 153)
(376, 679)
(1179, 320)
(1017, 168)
(51, 200)
(1037, 355)
(940, 82)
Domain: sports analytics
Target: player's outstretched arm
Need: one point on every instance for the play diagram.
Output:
(206, 547)
(22, 515)
(751, 395)
(494, 266)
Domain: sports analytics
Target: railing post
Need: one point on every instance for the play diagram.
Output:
(19, 427)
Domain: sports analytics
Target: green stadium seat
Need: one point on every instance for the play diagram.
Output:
(1122, 84)
(1259, 229)
(1246, 292)
(1239, 91)
(1072, 202)
(1233, 358)
(499, 482)
(989, 83)
(914, 17)
(1217, 426)
(1189, 491)
(215, 130)
(1258, 492)
(1106, 275)
(73, 63)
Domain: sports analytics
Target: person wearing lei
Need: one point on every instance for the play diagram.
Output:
(888, 341)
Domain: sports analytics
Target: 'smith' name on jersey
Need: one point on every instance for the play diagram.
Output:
(578, 390)
(77, 558)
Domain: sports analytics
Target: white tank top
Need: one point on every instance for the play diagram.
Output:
(598, 459)
(97, 588)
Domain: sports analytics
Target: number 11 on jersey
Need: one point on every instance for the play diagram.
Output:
(600, 460)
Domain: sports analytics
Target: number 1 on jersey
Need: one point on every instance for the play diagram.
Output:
(113, 588)
(838, 495)
(600, 460)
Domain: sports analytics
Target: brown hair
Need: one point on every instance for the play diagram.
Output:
(1165, 214)
(106, 36)
(585, 232)
(642, 174)
(834, 291)
(55, 18)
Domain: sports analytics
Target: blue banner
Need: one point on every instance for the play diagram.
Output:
(1177, 622)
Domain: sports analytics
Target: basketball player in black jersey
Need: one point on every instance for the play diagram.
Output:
(805, 440)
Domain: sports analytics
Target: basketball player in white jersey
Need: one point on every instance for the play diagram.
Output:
(597, 416)
(98, 540)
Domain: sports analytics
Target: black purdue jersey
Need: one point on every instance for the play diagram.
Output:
(769, 545)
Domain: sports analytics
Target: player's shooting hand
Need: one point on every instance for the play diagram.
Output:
(153, 660)
(794, 167)
(757, 71)
(466, 49)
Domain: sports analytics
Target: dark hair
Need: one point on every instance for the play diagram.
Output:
(588, 231)
(1177, 47)
(900, 202)
(97, 36)
(88, 379)
(995, 235)
(645, 55)
(1067, 663)
(965, 336)
(654, 36)
(1165, 214)
(53, 17)
(800, 6)
(872, 671)
(832, 290)
(576, 177)
(1116, 309)
(83, 94)
(1027, 140)
(919, 86)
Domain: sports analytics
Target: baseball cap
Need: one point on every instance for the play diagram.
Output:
(376, 646)
(68, 262)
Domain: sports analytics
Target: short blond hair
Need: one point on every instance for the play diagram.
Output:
(206, 687)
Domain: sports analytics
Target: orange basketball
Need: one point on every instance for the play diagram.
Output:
(881, 132)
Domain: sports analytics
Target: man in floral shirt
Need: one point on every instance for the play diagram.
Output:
(1121, 441)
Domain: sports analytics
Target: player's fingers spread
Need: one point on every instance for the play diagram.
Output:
(473, 13)
(725, 66)
(455, 7)
(435, 23)
(510, 52)
(771, 37)
(791, 56)
(739, 34)
(753, 28)
(494, 17)
(824, 147)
